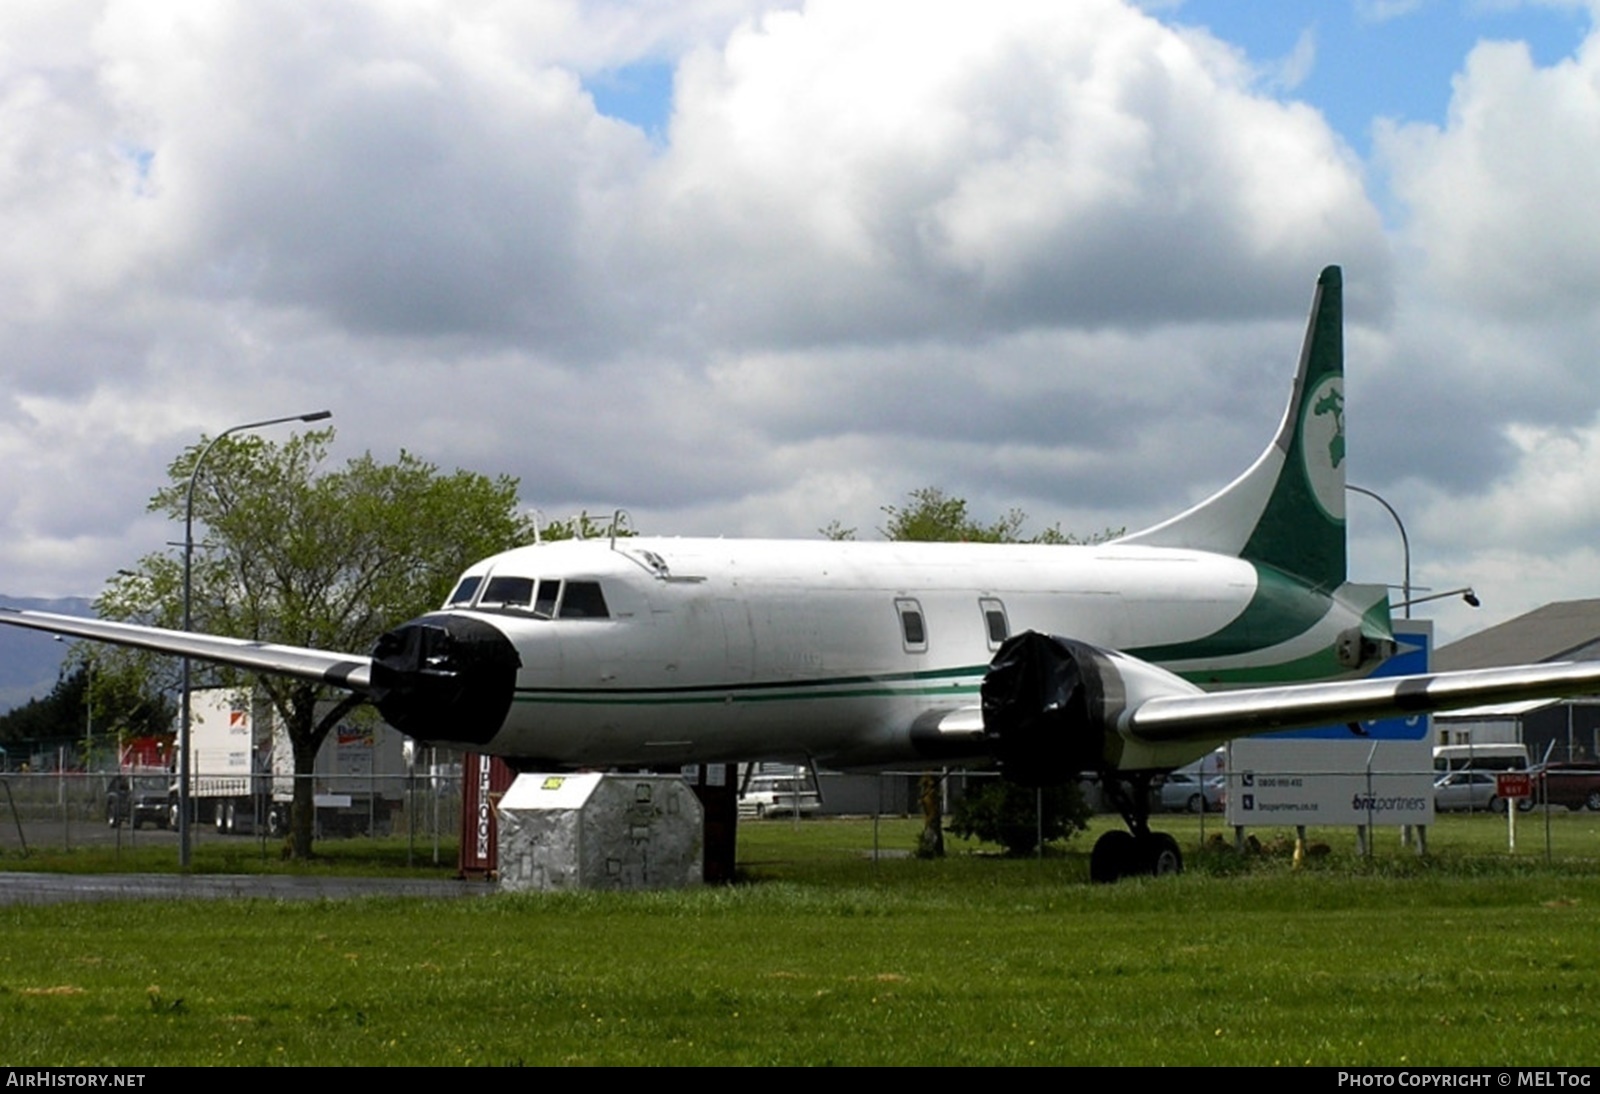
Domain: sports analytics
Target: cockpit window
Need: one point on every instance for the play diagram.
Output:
(508, 592)
(547, 598)
(583, 600)
(463, 594)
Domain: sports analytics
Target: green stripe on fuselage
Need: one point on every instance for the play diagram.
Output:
(963, 682)
(1281, 609)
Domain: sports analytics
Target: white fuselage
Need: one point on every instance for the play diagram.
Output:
(746, 649)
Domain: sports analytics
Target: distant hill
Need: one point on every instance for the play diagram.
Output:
(31, 660)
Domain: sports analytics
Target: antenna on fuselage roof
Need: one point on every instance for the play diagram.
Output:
(621, 524)
(538, 523)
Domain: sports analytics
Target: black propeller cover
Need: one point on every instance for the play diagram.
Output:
(1043, 709)
(445, 677)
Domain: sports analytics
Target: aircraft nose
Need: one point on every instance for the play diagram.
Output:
(445, 677)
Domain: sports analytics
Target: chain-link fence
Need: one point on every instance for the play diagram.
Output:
(64, 810)
(67, 809)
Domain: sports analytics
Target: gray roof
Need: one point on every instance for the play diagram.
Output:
(1568, 630)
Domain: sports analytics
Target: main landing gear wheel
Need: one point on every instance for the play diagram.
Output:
(1120, 854)
(1138, 850)
(1112, 857)
(1160, 852)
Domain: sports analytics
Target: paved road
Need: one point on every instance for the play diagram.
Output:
(24, 888)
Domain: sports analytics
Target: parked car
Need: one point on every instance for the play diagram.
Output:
(1574, 785)
(137, 800)
(1471, 790)
(779, 796)
(1188, 792)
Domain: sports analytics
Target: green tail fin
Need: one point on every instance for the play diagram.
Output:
(1287, 510)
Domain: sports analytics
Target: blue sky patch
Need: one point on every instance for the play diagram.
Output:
(639, 94)
(1365, 66)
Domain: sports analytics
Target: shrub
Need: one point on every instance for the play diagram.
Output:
(1005, 813)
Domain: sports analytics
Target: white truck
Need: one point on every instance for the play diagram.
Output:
(242, 775)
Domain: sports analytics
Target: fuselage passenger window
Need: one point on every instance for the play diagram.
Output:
(913, 630)
(996, 629)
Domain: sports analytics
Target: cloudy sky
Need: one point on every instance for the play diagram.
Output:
(746, 268)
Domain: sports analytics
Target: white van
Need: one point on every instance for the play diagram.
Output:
(1487, 757)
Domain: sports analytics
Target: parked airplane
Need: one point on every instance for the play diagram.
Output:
(659, 652)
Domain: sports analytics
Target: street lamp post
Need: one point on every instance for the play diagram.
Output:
(1466, 593)
(184, 846)
(1405, 543)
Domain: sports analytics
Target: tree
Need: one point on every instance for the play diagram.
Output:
(584, 526)
(73, 706)
(929, 515)
(932, 516)
(287, 551)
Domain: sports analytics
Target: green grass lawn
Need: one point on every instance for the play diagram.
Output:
(1471, 956)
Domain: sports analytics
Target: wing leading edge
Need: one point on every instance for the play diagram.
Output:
(1242, 713)
(342, 670)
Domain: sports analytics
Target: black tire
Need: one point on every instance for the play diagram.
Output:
(1161, 856)
(1592, 802)
(1524, 805)
(113, 814)
(1196, 804)
(1497, 804)
(1113, 857)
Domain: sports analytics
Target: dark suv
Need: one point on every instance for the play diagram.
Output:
(137, 800)
(1574, 785)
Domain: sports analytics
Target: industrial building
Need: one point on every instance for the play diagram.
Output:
(1566, 729)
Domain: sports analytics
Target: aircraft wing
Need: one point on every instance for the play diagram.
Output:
(342, 670)
(1219, 715)
(1052, 703)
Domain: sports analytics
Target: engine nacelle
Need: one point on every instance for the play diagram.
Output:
(1053, 706)
(445, 677)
